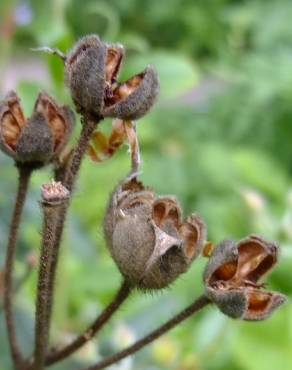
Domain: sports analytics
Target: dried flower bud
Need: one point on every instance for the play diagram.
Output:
(54, 193)
(232, 278)
(91, 70)
(39, 139)
(147, 237)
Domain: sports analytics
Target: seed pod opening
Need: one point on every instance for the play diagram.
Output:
(131, 99)
(114, 58)
(91, 71)
(38, 139)
(147, 237)
(12, 121)
(232, 278)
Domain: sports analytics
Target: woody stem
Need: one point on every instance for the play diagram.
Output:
(24, 174)
(50, 212)
(196, 306)
(88, 127)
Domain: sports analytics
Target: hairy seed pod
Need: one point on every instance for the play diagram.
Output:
(85, 68)
(91, 71)
(148, 239)
(231, 278)
(132, 99)
(39, 139)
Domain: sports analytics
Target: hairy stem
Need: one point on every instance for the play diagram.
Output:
(88, 128)
(196, 306)
(23, 182)
(90, 332)
(50, 212)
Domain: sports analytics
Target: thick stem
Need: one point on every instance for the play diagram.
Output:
(90, 332)
(43, 294)
(88, 128)
(196, 306)
(23, 181)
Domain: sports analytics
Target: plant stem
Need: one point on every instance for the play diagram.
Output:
(89, 333)
(196, 306)
(88, 127)
(24, 174)
(50, 211)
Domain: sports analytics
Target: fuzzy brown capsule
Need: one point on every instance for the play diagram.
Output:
(85, 74)
(232, 278)
(39, 139)
(147, 237)
(91, 70)
(133, 98)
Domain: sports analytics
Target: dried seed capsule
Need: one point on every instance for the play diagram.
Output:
(85, 69)
(39, 139)
(91, 71)
(131, 99)
(147, 237)
(232, 274)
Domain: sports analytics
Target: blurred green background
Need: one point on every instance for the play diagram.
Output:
(219, 138)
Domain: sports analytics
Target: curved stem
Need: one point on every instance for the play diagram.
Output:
(196, 306)
(23, 181)
(89, 333)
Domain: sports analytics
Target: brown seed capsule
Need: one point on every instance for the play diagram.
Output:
(85, 68)
(131, 99)
(231, 278)
(39, 139)
(91, 70)
(147, 237)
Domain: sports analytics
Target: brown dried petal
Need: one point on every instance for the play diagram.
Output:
(114, 57)
(132, 99)
(12, 121)
(193, 234)
(261, 304)
(256, 257)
